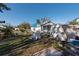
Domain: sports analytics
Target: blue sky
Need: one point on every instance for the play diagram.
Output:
(58, 13)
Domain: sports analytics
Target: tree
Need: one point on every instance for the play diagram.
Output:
(3, 7)
(38, 21)
(7, 31)
(23, 26)
(74, 22)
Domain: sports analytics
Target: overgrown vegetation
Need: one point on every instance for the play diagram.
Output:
(36, 46)
(7, 31)
(23, 26)
(74, 22)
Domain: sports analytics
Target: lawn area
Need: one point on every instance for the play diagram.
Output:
(7, 46)
(30, 50)
(11, 42)
(31, 46)
(37, 47)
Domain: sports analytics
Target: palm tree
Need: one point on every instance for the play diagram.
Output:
(3, 7)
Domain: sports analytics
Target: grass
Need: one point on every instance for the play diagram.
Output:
(9, 42)
(32, 47)
(56, 45)
(31, 50)
(8, 45)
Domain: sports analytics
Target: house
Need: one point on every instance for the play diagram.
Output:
(47, 26)
(36, 28)
(44, 26)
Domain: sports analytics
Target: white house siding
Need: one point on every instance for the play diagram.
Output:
(45, 27)
(35, 29)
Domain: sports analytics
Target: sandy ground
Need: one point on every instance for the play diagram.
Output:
(49, 52)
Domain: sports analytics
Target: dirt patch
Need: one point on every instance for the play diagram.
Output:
(32, 50)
